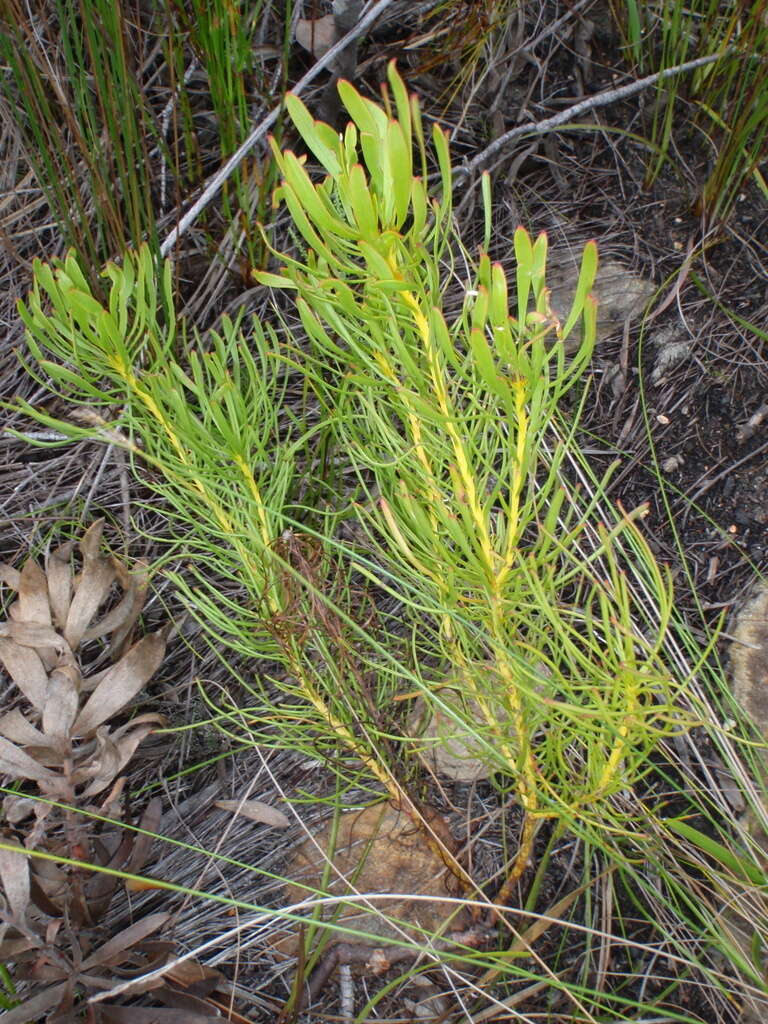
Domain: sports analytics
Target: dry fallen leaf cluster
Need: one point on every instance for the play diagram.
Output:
(58, 736)
(68, 647)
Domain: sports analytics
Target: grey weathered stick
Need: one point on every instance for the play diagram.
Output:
(600, 99)
(216, 180)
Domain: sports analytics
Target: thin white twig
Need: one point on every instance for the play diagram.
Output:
(217, 180)
(600, 99)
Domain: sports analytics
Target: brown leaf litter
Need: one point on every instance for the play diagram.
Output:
(59, 750)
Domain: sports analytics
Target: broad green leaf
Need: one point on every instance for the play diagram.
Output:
(368, 116)
(485, 187)
(393, 286)
(82, 305)
(362, 204)
(479, 316)
(76, 276)
(419, 208)
(350, 144)
(376, 263)
(584, 285)
(273, 280)
(523, 271)
(506, 344)
(323, 216)
(498, 306)
(81, 384)
(440, 142)
(486, 364)
(320, 137)
(315, 329)
(539, 266)
(398, 156)
(417, 129)
(305, 226)
(402, 102)
(484, 270)
(443, 338)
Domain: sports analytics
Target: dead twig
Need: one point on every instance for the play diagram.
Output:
(600, 99)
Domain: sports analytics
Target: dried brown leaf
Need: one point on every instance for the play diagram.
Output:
(110, 805)
(91, 682)
(49, 875)
(27, 671)
(192, 974)
(33, 605)
(59, 572)
(55, 788)
(99, 889)
(10, 576)
(14, 873)
(34, 1008)
(33, 634)
(121, 683)
(18, 808)
(148, 717)
(14, 949)
(49, 754)
(317, 35)
(90, 593)
(193, 1006)
(112, 758)
(62, 702)
(41, 812)
(149, 827)
(122, 618)
(19, 765)
(255, 810)
(126, 747)
(114, 950)
(15, 727)
(90, 542)
(142, 884)
(103, 766)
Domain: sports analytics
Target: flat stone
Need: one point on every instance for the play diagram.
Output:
(749, 658)
(378, 850)
(620, 294)
(450, 747)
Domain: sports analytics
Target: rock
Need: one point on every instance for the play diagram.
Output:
(749, 658)
(749, 680)
(376, 850)
(620, 293)
(672, 347)
(449, 746)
